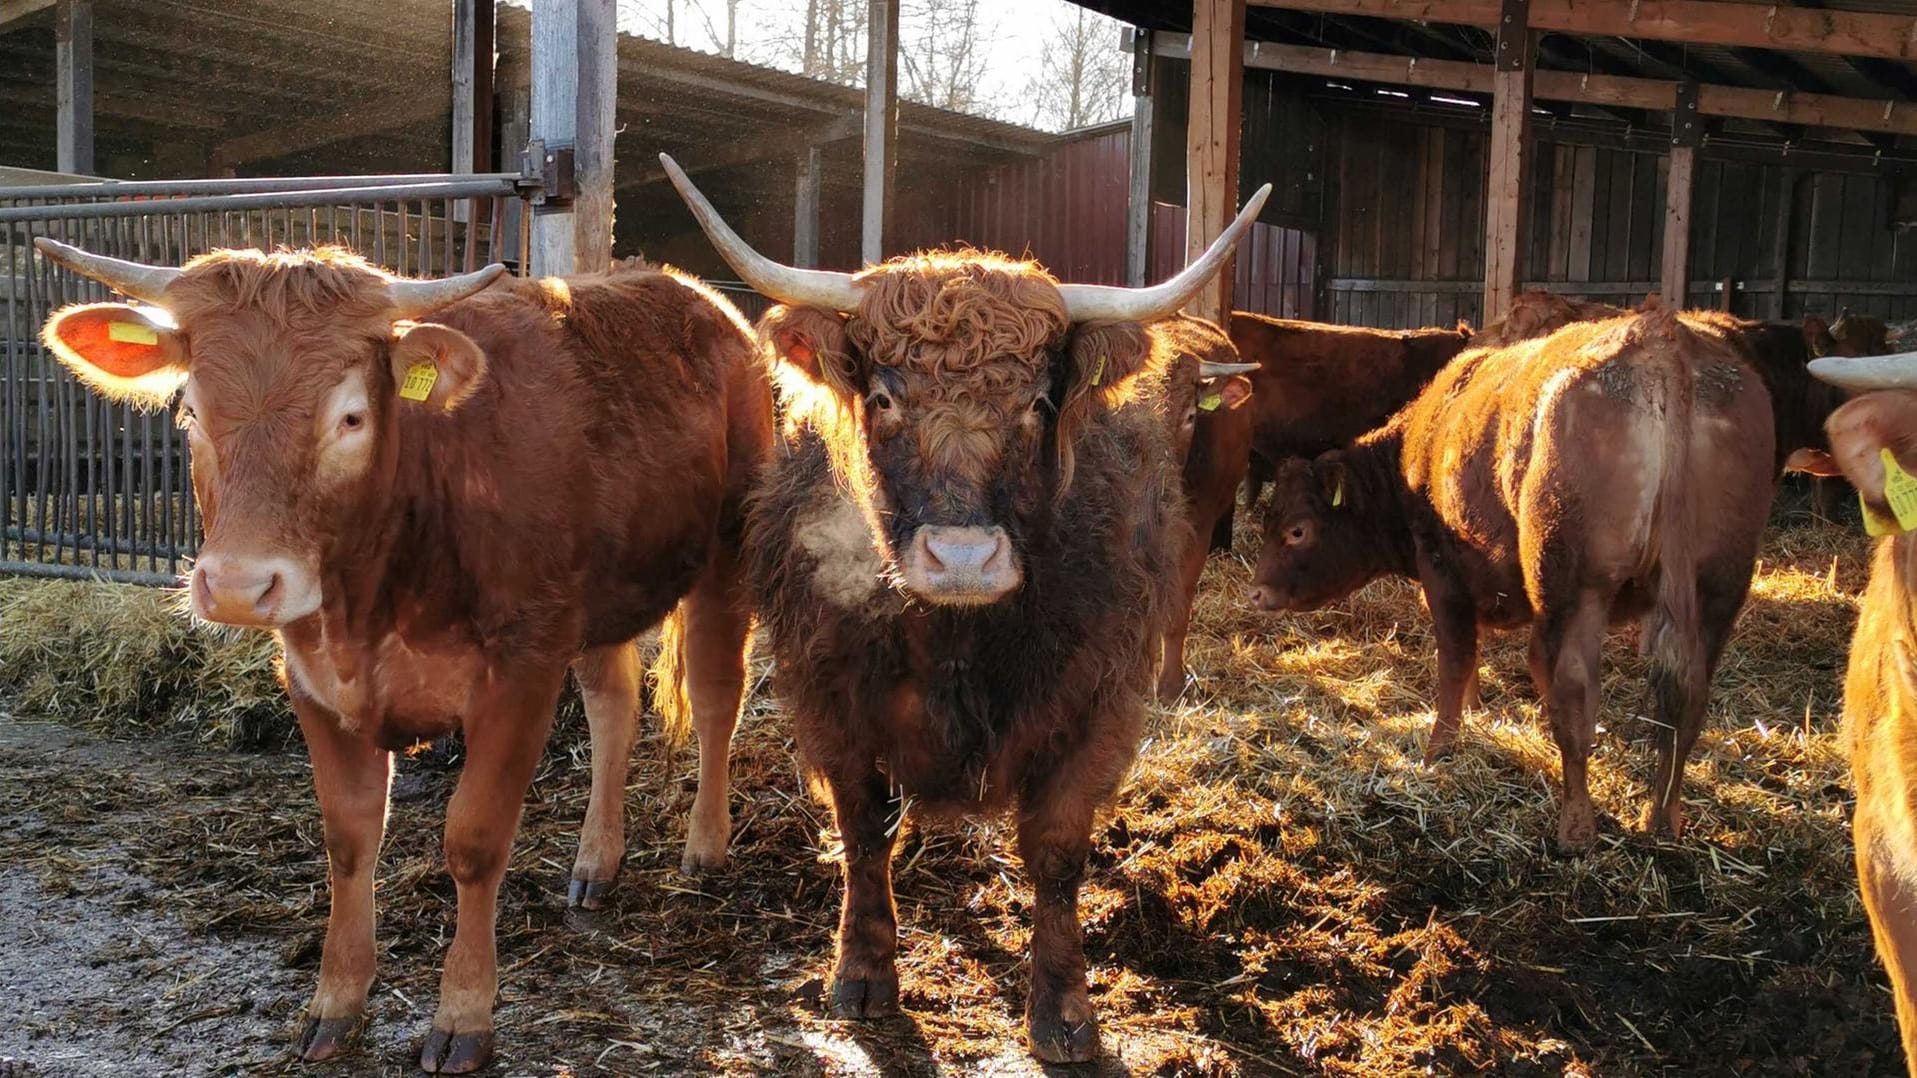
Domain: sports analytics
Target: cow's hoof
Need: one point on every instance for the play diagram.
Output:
(1438, 752)
(587, 894)
(322, 1039)
(697, 864)
(1664, 822)
(868, 997)
(456, 1053)
(1169, 691)
(1058, 1039)
(1577, 829)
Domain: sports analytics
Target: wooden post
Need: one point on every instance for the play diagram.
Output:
(512, 76)
(1786, 205)
(472, 86)
(574, 81)
(1138, 205)
(881, 124)
(1510, 160)
(1211, 177)
(73, 75)
(805, 208)
(1687, 132)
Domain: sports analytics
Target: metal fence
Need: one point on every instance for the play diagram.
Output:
(93, 488)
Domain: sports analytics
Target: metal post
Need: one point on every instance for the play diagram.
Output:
(73, 73)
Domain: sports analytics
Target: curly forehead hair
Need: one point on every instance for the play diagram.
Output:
(967, 318)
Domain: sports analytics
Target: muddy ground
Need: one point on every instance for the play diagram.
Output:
(1282, 888)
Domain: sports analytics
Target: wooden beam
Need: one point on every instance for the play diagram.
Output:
(574, 81)
(1675, 276)
(280, 141)
(593, 152)
(472, 85)
(1510, 158)
(1212, 136)
(881, 125)
(12, 11)
(808, 172)
(73, 81)
(1696, 22)
(1138, 198)
(1786, 205)
(1811, 110)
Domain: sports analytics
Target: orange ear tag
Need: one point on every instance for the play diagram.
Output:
(132, 333)
(419, 380)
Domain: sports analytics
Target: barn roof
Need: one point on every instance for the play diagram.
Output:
(290, 87)
(1775, 70)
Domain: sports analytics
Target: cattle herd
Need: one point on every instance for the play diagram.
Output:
(967, 507)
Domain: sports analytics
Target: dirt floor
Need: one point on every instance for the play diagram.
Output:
(1282, 888)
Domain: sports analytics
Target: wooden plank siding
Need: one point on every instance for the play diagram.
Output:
(1403, 228)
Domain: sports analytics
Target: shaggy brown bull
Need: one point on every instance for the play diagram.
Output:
(1206, 390)
(1870, 436)
(963, 559)
(436, 518)
(1612, 470)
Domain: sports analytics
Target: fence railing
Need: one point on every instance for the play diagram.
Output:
(94, 488)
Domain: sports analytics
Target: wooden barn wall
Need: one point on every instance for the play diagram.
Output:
(1276, 271)
(1403, 229)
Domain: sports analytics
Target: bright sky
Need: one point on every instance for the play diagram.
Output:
(1012, 32)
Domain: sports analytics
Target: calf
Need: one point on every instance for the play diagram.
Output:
(436, 518)
(1870, 436)
(964, 558)
(1612, 470)
(1206, 390)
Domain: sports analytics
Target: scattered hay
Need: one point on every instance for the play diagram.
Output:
(1282, 889)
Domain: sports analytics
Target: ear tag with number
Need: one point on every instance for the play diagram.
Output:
(1210, 402)
(1900, 490)
(132, 333)
(1098, 372)
(1338, 493)
(420, 377)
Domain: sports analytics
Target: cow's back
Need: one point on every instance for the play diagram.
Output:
(1320, 386)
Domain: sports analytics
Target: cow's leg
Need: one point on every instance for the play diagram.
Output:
(1721, 591)
(504, 738)
(609, 682)
(1891, 903)
(1455, 621)
(865, 979)
(1569, 649)
(350, 777)
(1054, 841)
(1171, 675)
(717, 621)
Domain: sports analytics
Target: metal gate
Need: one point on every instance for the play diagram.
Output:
(98, 489)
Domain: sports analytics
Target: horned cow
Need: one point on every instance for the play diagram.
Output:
(963, 558)
(436, 518)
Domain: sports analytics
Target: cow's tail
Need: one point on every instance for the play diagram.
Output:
(1673, 638)
(668, 678)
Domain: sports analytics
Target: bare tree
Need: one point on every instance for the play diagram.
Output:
(1082, 73)
(828, 45)
(942, 55)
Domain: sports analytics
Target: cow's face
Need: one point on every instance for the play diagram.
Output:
(960, 386)
(1314, 539)
(1190, 398)
(289, 372)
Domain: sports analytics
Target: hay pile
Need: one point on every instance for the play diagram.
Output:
(1281, 889)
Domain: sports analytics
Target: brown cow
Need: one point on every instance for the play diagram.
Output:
(963, 560)
(1880, 691)
(436, 518)
(1206, 390)
(1612, 470)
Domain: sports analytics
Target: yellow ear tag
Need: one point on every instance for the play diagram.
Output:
(1098, 372)
(132, 333)
(1210, 402)
(1900, 490)
(1338, 493)
(419, 380)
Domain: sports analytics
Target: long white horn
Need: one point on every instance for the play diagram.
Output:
(142, 282)
(1107, 303)
(1860, 374)
(785, 284)
(1224, 370)
(410, 299)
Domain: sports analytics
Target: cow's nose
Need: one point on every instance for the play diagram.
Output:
(962, 564)
(238, 591)
(1263, 597)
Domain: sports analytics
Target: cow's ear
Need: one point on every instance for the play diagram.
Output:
(436, 366)
(1817, 336)
(1224, 394)
(1864, 429)
(1333, 478)
(811, 343)
(1813, 462)
(123, 352)
(1101, 369)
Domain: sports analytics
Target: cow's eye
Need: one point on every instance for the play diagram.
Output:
(1041, 403)
(352, 421)
(879, 401)
(1297, 534)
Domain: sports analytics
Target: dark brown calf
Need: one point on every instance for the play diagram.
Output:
(1612, 470)
(1206, 393)
(436, 519)
(963, 559)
